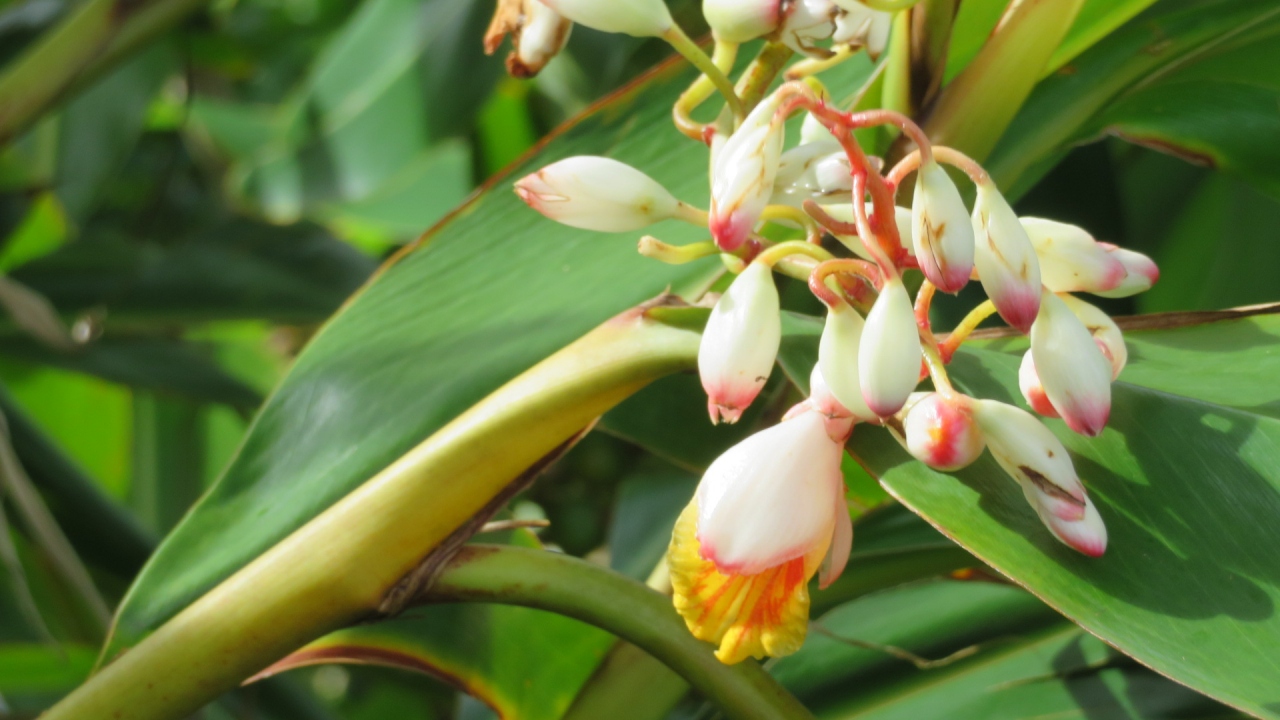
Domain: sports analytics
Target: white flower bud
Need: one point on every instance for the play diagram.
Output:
(1073, 371)
(838, 359)
(807, 21)
(742, 175)
(739, 21)
(1005, 259)
(860, 25)
(1070, 259)
(1104, 330)
(1087, 535)
(1032, 389)
(740, 343)
(839, 419)
(597, 193)
(941, 230)
(1141, 272)
(537, 32)
(771, 497)
(641, 18)
(1033, 456)
(889, 354)
(940, 432)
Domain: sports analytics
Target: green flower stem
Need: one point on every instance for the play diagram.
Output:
(338, 568)
(637, 614)
(694, 54)
(94, 38)
(973, 111)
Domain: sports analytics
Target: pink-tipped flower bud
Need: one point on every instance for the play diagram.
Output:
(1032, 389)
(838, 359)
(940, 230)
(889, 352)
(1073, 371)
(1005, 259)
(743, 170)
(1070, 259)
(740, 343)
(1141, 272)
(597, 193)
(1087, 535)
(537, 32)
(859, 25)
(641, 18)
(1105, 332)
(1033, 456)
(940, 432)
(739, 21)
(839, 419)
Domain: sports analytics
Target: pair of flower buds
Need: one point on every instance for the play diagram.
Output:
(540, 28)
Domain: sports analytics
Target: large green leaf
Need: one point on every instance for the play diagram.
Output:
(1186, 479)
(996, 654)
(1191, 77)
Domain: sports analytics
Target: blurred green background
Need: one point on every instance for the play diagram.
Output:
(198, 211)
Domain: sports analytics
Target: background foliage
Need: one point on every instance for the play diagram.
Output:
(197, 212)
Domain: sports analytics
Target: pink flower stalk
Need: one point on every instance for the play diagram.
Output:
(889, 354)
(1005, 259)
(740, 343)
(743, 169)
(598, 193)
(1074, 373)
(940, 230)
(1071, 260)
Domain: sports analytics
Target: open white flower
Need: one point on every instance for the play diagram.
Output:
(768, 514)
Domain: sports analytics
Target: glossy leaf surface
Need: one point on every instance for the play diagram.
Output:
(1185, 476)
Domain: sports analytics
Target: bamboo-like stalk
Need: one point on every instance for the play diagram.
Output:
(973, 111)
(338, 568)
(640, 615)
(94, 38)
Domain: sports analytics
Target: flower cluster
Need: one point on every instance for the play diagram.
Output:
(770, 513)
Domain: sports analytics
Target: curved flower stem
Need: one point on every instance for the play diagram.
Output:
(933, 357)
(692, 215)
(809, 67)
(723, 57)
(578, 589)
(813, 232)
(694, 54)
(756, 80)
(344, 564)
(772, 255)
(966, 328)
(950, 156)
(862, 275)
(651, 247)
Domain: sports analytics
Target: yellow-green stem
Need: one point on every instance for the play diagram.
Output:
(694, 54)
(336, 569)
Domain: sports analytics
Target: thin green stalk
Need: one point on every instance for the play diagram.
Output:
(94, 38)
(694, 54)
(339, 568)
(643, 617)
(973, 111)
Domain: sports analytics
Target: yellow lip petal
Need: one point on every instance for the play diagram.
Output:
(765, 614)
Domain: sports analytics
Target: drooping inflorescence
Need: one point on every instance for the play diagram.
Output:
(770, 513)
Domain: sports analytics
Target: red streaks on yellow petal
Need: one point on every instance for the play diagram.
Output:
(759, 615)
